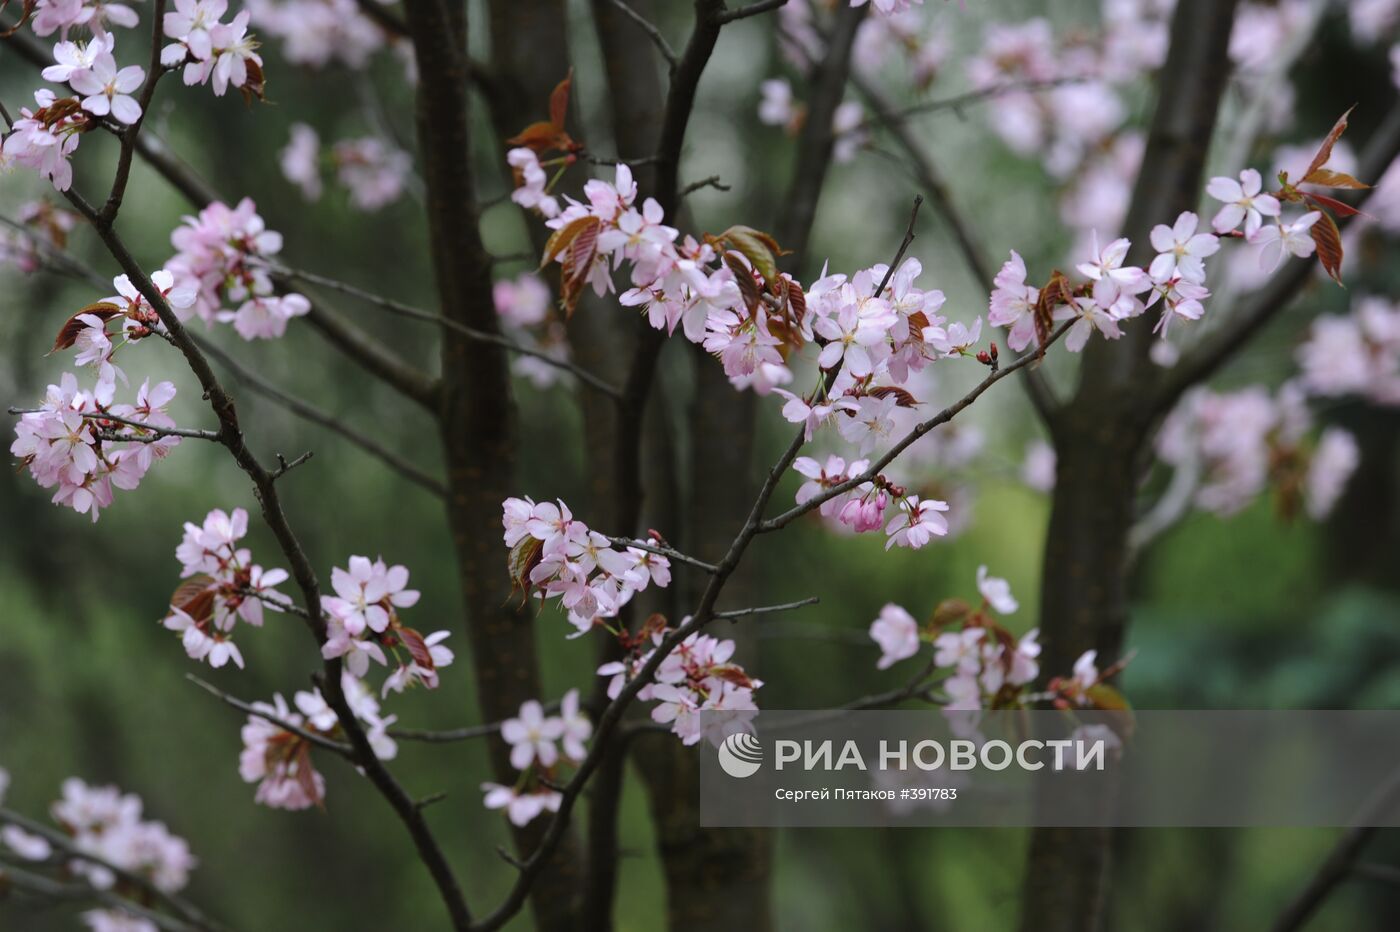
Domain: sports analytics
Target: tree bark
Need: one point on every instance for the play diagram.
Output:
(1100, 441)
(477, 420)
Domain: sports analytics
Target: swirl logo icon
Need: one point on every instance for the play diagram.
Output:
(740, 755)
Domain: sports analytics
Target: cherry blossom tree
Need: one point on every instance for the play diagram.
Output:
(1182, 252)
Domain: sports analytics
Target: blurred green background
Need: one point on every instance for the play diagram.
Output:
(1244, 613)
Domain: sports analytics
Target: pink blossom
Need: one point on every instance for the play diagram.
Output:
(301, 160)
(1181, 250)
(1013, 303)
(996, 591)
(897, 634)
(109, 90)
(917, 523)
(1243, 202)
(1279, 239)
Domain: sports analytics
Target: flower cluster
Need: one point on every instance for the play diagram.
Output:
(1354, 354)
(43, 138)
(319, 32)
(209, 49)
(279, 760)
(696, 677)
(51, 16)
(375, 172)
(1240, 443)
(987, 666)
(363, 622)
(106, 825)
(778, 108)
(523, 305)
(560, 556)
(535, 741)
(222, 587)
(225, 254)
(44, 225)
(69, 445)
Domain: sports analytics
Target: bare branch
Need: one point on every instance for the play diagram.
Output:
(711, 182)
(154, 71)
(957, 102)
(738, 613)
(315, 415)
(159, 432)
(321, 741)
(753, 9)
(284, 466)
(494, 339)
(1342, 859)
(652, 32)
(669, 553)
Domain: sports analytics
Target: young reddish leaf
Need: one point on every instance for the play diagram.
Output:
(1330, 179)
(1324, 151)
(25, 10)
(797, 302)
(523, 558)
(195, 597)
(1329, 246)
(902, 398)
(563, 237)
(543, 136)
(102, 310)
(559, 101)
(950, 611)
(743, 277)
(1332, 204)
(417, 647)
(578, 262)
(758, 247)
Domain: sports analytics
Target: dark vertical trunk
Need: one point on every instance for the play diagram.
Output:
(478, 422)
(1083, 606)
(1099, 441)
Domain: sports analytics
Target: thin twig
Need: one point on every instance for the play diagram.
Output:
(753, 9)
(737, 613)
(309, 412)
(414, 313)
(667, 552)
(711, 182)
(285, 466)
(653, 33)
(958, 101)
(189, 433)
(321, 741)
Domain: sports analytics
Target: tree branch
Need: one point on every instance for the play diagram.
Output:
(321, 741)
(942, 417)
(309, 412)
(231, 436)
(753, 9)
(471, 333)
(653, 33)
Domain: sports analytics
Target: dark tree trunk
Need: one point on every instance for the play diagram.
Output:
(478, 421)
(1100, 438)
